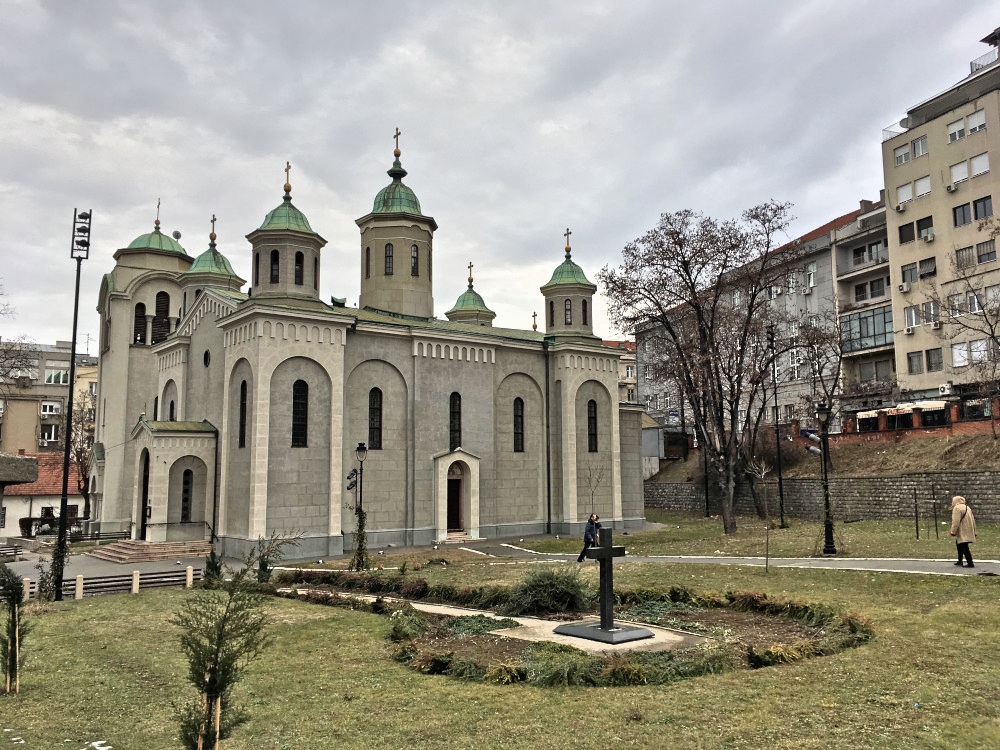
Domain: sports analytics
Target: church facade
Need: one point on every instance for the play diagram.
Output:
(232, 415)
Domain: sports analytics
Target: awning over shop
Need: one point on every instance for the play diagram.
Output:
(904, 408)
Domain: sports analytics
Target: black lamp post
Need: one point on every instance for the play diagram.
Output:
(777, 429)
(79, 249)
(823, 417)
(362, 453)
(359, 561)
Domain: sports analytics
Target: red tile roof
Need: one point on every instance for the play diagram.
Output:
(628, 346)
(50, 476)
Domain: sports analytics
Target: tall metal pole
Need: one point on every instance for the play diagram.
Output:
(777, 429)
(823, 414)
(79, 249)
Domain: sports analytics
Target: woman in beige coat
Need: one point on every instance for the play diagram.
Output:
(963, 528)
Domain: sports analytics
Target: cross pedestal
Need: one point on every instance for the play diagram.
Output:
(605, 631)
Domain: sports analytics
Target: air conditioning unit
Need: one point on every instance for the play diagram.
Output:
(945, 389)
(951, 187)
(936, 325)
(43, 443)
(23, 381)
(908, 330)
(929, 237)
(904, 287)
(900, 207)
(807, 290)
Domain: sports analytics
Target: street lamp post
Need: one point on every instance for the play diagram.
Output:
(777, 429)
(360, 559)
(362, 453)
(823, 417)
(79, 249)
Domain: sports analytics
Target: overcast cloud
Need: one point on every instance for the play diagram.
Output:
(518, 120)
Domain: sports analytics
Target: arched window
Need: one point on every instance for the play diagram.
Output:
(171, 414)
(300, 414)
(552, 313)
(429, 264)
(243, 415)
(375, 419)
(368, 262)
(300, 261)
(315, 273)
(592, 426)
(139, 325)
(414, 261)
(275, 266)
(455, 421)
(585, 313)
(519, 425)
(161, 320)
(187, 490)
(568, 307)
(388, 260)
(156, 407)
(256, 269)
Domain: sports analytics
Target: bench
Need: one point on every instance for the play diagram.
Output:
(13, 550)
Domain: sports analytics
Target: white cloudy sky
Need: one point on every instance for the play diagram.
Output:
(519, 119)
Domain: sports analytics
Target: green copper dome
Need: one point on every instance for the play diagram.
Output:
(469, 301)
(568, 272)
(212, 261)
(396, 197)
(156, 240)
(287, 216)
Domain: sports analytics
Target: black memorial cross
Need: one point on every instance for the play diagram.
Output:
(605, 554)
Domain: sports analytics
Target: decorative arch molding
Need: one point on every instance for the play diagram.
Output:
(468, 466)
(454, 352)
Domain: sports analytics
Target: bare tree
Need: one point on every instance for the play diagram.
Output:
(82, 443)
(593, 478)
(699, 287)
(17, 355)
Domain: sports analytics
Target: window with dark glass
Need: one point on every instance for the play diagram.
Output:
(368, 262)
(986, 251)
(375, 419)
(584, 312)
(139, 325)
(519, 425)
(568, 308)
(909, 272)
(161, 320)
(928, 267)
(300, 414)
(388, 260)
(925, 226)
(552, 313)
(414, 261)
(256, 269)
(962, 215)
(243, 415)
(275, 266)
(455, 421)
(170, 411)
(300, 261)
(906, 233)
(187, 489)
(315, 273)
(592, 426)
(982, 208)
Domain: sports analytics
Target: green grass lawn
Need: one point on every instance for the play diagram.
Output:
(685, 534)
(109, 668)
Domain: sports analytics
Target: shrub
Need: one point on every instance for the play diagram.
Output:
(444, 592)
(548, 591)
(467, 669)
(620, 670)
(506, 673)
(555, 665)
(464, 627)
(415, 588)
(434, 663)
(407, 624)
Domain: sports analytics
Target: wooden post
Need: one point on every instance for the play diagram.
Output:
(26, 583)
(189, 580)
(79, 587)
(135, 581)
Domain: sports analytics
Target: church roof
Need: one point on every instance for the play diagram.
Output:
(396, 197)
(156, 240)
(469, 301)
(569, 272)
(287, 216)
(212, 261)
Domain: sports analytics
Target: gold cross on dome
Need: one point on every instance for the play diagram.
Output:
(534, 321)
(470, 273)
(288, 168)
(396, 136)
(566, 235)
(213, 223)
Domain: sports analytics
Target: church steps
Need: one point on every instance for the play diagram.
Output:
(133, 551)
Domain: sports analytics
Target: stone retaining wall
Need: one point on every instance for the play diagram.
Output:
(851, 498)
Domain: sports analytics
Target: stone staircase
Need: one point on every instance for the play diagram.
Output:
(133, 551)
(458, 537)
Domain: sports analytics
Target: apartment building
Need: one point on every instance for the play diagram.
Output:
(944, 270)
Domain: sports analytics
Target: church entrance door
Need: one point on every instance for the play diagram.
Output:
(455, 498)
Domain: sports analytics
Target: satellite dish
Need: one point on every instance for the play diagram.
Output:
(176, 235)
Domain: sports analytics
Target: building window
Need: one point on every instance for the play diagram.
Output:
(50, 433)
(368, 262)
(977, 351)
(866, 329)
(91, 388)
(962, 215)
(960, 172)
(925, 226)
(568, 312)
(519, 425)
(552, 314)
(877, 287)
(879, 370)
(242, 440)
(388, 260)
(902, 154)
(974, 301)
(592, 426)
(964, 257)
(922, 186)
(935, 360)
(909, 272)
(139, 325)
(956, 304)
(629, 371)
(455, 421)
(414, 261)
(300, 261)
(982, 208)
(915, 363)
(906, 233)
(256, 269)
(300, 414)
(791, 282)
(986, 251)
(275, 266)
(980, 164)
(928, 267)
(976, 121)
(860, 292)
(161, 320)
(187, 488)
(904, 193)
(583, 312)
(315, 273)
(919, 146)
(57, 373)
(956, 130)
(171, 414)
(959, 354)
(737, 298)
(50, 408)
(911, 316)
(929, 312)
(811, 274)
(375, 419)
(630, 395)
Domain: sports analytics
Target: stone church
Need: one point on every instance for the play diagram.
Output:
(230, 415)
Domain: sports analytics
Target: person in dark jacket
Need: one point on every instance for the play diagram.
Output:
(589, 535)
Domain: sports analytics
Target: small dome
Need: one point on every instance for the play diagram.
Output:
(156, 240)
(469, 301)
(396, 197)
(212, 261)
(287, 216)
(568, 272)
